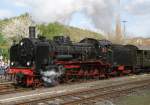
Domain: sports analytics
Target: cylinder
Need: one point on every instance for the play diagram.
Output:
(32, 32)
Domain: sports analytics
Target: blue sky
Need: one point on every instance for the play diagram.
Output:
(11, 8)
(138, 23)
(136, 12)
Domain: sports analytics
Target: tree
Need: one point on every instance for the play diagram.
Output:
(3, 47)
(51, 29)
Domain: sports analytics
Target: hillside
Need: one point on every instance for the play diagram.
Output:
(75, 34)
(17, 27)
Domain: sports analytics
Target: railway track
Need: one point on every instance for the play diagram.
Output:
(90, 96)
(6, 85)
(8, 88)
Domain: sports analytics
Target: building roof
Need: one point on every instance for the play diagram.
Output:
(141, 47)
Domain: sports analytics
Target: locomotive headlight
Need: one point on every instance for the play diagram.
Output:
(21, 44)
(12, 63)
(28, 63)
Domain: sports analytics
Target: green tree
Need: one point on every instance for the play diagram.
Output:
(3, 46)
(51, 30)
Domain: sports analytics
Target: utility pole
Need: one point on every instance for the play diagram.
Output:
(124, 25)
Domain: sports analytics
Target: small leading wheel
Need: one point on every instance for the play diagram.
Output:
(20, 79)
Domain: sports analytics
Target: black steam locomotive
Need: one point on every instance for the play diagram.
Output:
(36, 61)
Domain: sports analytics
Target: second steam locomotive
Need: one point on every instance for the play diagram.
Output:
(38, 61)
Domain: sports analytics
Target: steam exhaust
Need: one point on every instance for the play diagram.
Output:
(51, 77)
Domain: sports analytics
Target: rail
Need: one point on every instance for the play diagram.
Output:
(88, 95)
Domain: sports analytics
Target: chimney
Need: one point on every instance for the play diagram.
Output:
(32, 32)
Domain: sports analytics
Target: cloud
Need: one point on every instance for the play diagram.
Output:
(139, 7)
(50, 10)
(138, 14)
(100, 12)
(5, 13)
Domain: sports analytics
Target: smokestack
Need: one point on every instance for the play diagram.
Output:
(118, 29)
(119, 37)
(32, 32)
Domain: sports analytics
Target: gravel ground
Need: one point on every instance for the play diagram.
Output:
(141, 97)
(38, 93)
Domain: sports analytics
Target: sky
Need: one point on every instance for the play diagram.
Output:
(96, 15)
